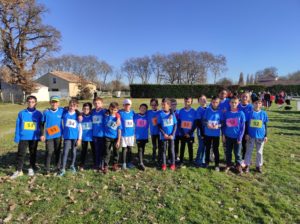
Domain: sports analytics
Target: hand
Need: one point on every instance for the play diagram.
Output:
(223, 138)
(187, 136)
(210, 126)
(166, 136)
(118, 144)
(239, 142)
(42, 138)
(80, 118)
(79, 142)
(171, 137)
(247, 137)
(266, 139)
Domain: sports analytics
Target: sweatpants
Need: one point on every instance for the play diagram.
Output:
(69, 145)
(214, 141)
(110, 145)
(84, 148)
(259, 144)
(22, 148)
(141, 144)
(189, 142)
(200, 157)
(127, 154)
(155, 145)
(53, 146)
(165, 146)
(99, 145)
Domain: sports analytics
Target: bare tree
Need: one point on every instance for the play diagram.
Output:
(128, 68)
(25, 40)
(105, 69)
(157, 66)
(218, 66)
(143, 69)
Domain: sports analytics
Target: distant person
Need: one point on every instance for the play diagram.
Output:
(267, 99)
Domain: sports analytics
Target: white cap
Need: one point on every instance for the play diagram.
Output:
(127, 101)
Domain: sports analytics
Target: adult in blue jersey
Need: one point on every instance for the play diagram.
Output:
(27, 135)
(52, 131)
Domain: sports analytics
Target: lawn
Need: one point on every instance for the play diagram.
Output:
(188, 195)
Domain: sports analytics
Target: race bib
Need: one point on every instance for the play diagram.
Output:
(112, 125)
(97, 119)
(186, 124)
(53, 130)
(232, 122)
(154, 121)
(213, 124)
(168, 122)
(71, 123)
(128, 123)
(141, 123)
(87, 125)
(31, 126)
(255, 123)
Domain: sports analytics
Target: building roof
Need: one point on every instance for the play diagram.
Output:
(70, 77)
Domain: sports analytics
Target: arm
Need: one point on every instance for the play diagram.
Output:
(79, 134)
(119, 138)
(241, 133)
(42, 124)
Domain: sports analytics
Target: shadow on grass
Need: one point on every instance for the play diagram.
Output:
(285, 127)
(285, 112)
(288, 134)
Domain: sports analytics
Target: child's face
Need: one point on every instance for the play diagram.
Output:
(98, 104)
(245, 98)
(154, 105)
(223, 95)
(31, 103)
(165, 106)
(86, 110)
(257, 105)
(234, 104)
(127, 107)
(54, 104)
(174, 105)
(143, 109)
(113, 111)
(73, 106)
(188, 102)
(215, 103)
(202, 101)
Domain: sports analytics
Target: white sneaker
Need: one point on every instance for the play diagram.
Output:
(30, 172)
(16, 174)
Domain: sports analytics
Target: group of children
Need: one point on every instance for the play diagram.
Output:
(238, 123)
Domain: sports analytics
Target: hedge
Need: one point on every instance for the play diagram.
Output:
(180, 91)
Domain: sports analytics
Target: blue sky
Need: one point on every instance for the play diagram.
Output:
(252, 34)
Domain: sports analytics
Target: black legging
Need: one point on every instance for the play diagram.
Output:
(141, 144)
(22, 148)
(189, 142)
(84, 146)
(215, 141)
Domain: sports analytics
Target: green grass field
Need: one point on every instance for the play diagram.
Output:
(188, 195)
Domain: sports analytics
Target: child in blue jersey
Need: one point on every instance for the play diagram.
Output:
(52, 128)
(187, 116)
(200, 157)
(246, 107)
(112, 134)
(27, 134)
(87, 134)
(127, 116)
(256, 134)
(177, 136)
(223, 107)
(233, 131)
(152, 116)
(141, 132)
(211, 121)
(167, 124)
(72, 134)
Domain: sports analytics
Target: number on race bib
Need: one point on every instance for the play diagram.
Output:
(86, 125)
(141, 123)
(30, 126)
(255, 123)
(186, 124)
(53, 130)
(154, 121)
(71, 123)
(97, 119)
(128, 123)
(232, 122)
(168, 122)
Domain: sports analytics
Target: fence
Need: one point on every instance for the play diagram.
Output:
(10, 93)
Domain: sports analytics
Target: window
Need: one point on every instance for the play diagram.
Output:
(54, 80)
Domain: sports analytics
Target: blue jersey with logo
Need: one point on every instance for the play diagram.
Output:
(53, 122)
(97, 119)
(28, 125)
(127, 123)
(187, 119)
(199, 114)
(234, 124)
(245, 108)
(167, 121)
(71, 126)
(152, 116)
(257, 124)
(110, 126)
(87, 128)
(212, 120)
(141, 123)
